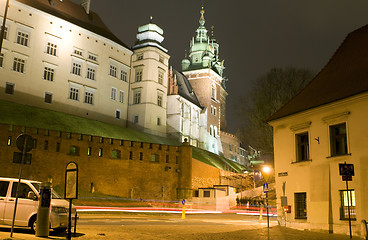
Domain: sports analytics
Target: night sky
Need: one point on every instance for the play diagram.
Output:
(254, 35)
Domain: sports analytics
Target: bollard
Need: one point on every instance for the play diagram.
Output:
(183, 212)
(260, 214)
(43, 212)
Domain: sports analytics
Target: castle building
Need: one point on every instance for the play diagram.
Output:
(59, 55)
(204, 70)
(149, 80)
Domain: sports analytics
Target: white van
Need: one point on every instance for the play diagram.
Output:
(28, 195)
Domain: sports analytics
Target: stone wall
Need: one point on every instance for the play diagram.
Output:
(131, 173)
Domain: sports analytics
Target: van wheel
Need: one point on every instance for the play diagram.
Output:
(33, 224)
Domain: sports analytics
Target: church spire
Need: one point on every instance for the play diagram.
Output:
(202, 21)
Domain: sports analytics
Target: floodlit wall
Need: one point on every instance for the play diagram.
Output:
(319, 176)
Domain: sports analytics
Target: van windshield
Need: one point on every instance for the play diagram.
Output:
(54, 194)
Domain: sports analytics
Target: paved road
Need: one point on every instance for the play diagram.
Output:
(171, 226)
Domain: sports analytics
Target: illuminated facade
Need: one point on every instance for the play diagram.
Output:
(60, 56)
(319, 129)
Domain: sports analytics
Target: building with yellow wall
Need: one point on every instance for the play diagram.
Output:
(321, 127)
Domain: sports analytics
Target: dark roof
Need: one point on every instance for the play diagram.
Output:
(185, 88)
(74, 13)
(345, 75)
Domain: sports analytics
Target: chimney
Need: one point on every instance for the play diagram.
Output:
(86, 4)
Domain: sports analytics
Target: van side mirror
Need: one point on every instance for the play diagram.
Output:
(31, 195)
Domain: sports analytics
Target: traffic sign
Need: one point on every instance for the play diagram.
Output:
(347, 178)
(346, 169)
(24, 141)
(17, 158)
(265, 187)
(183, 202)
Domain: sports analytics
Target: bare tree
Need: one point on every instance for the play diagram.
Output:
(268, 94)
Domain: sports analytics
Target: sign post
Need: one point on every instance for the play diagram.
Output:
(24, 143)
(183, 210)
(71, 190)
(347, 173)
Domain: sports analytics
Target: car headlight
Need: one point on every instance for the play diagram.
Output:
(59, 210)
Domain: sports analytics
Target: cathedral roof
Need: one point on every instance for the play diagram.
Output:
(185, 88)
(345, 75)
(76, 14)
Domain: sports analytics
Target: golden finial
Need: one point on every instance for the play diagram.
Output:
(151, 19)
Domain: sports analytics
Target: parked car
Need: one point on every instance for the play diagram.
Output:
(28, 195)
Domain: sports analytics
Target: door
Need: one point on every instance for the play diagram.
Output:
(25, 208)
(3, 190)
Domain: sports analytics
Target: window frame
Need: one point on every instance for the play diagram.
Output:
(302, 147)
(300, 198)
(344, 202)
(336, 139)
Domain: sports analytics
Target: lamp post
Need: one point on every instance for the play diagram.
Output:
(3, 26)
(266, 173)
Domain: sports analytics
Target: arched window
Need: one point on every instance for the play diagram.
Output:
(215, 131)
(211, 130)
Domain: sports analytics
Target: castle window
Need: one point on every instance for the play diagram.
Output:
(113, 93)
(91, 73)
(135, 120)
(140, 56)
(18, 65)
(213, 92)
(48, 97)
(76, 68)
(140, 156)
(161, 59)
(124, 76)
(121, 96)
(9, 88)
(78, 52)
(158, 121)
(137, 97)
(113, 70)
(51, 48)
(116, 154)
(130, 155)
(154, 158)
(1, 59)
(74, 93)
(89, 151)
(100, 152)
(138, 75)
(22, 38)
(88, 97)
(159, 99)
(160, 77)
(74, 150)
(46, 145)
(117, 114)
(92, 57)
(57, 147)
(48, 74)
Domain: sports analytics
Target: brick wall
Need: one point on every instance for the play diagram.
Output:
(132, 175)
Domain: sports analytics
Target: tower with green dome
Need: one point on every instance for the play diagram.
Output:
(204, 69)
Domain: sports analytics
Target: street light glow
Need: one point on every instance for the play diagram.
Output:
(266, 169)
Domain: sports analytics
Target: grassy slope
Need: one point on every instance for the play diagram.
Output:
(22, 115)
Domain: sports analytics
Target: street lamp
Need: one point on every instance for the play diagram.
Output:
(266, 173)
(3, 26)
